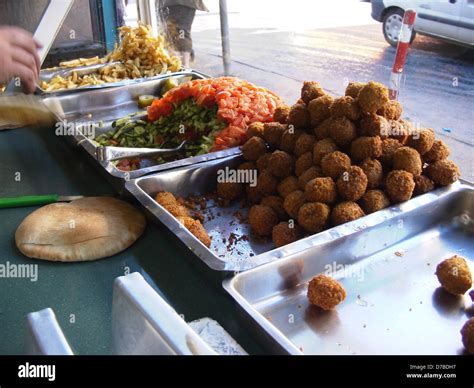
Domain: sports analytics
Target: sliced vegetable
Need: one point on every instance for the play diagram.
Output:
(145, 100)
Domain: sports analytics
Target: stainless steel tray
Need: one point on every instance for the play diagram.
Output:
(108, 104)
(220, 222)
(48, 74)
(386, 262)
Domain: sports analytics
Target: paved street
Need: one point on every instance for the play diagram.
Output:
(279, 44)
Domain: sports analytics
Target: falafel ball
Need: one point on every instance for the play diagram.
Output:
(171, 204)
(345, 212)
(423, 184)
(373, 201)
(372, 124)
(325, 292)
(322, 148)
(341, 130)
(389, 146)
(372, 97)
(335, 163)
(408, 159)
(276, 203)
(262, 161)
(178, 210)
(313, 216)
(262, 219)
(443, 172)
(281, 114)
(311, 90)
(454, 275)
(392, 110)
(266, 183)
(304, 162)
(304, 143)
(255, 129)
(309, 174)
(287, 186)
(196, 229)
(253, 194)
(247, 166)
(293, 202)
(321, 130)
(345, 106)
(319, 109)
(165, 198)
(299, 116)
(400, 130)
(438, 151)
(285, 233)
(321, 190)
(366, 147)
(288, 139)
(399, 185)
(254, 148)
(467, 333)
(352, 184)
(281, 164)
(353, 89)
(374, 171)
(422, 140)
(272, 133)
(229, 190)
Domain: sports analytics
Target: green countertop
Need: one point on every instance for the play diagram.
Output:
(35, 161)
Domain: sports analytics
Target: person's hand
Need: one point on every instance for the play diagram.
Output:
(19, 57)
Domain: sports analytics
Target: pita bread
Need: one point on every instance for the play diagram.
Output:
(85, 229)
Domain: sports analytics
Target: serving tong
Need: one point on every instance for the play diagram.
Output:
(110, 153)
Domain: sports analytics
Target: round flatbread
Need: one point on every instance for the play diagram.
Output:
(85, 229)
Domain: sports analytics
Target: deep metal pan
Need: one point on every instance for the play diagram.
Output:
(386, 262)
(233, 247)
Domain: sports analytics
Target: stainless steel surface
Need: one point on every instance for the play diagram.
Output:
(386, 262)
(88, 109)
(44, 335)
(106, 154)
(143, 323)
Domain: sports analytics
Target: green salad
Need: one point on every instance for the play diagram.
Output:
(188, 121)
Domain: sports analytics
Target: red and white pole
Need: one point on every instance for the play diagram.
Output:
(401, 54)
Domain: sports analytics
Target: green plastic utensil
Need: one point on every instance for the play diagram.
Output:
(35, 200)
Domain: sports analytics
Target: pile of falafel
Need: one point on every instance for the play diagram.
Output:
(326, 161)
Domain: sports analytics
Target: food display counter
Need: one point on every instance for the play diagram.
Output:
(205, 215)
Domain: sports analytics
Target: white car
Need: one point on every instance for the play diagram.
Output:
(452, 20)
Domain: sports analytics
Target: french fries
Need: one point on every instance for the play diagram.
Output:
(139, 54)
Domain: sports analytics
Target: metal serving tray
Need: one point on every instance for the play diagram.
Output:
(394, 302)
(242, 251)
(48, 74)
(109, 104)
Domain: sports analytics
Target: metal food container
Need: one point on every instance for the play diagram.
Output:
(47, 75)
(386, 262)
(233, 246)
(98, 108)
